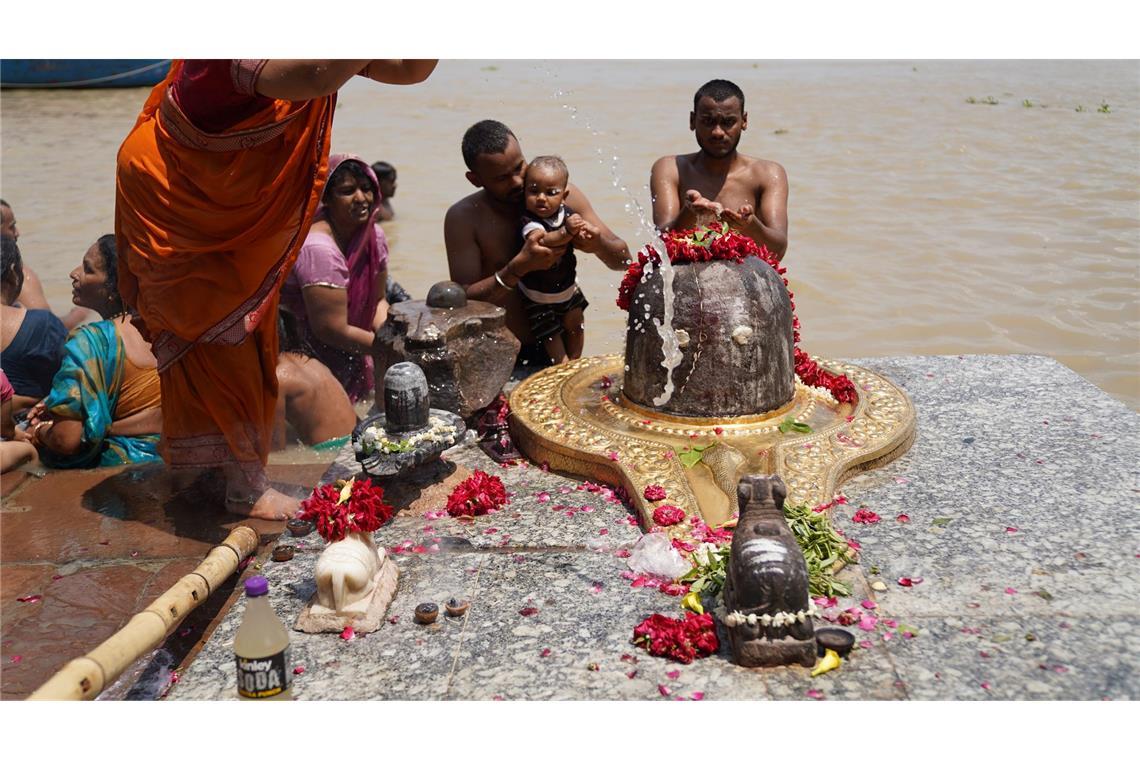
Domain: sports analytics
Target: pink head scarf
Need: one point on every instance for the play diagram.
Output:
(367, 253)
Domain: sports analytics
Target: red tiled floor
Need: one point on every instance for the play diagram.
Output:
(118, 538)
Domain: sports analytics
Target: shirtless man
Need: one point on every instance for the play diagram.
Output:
(716, 182)
(481, 232)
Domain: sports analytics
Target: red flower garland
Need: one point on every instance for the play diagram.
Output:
(680, 640)
(477, 495)
(718, 242)
(654, 492)
(353, 507)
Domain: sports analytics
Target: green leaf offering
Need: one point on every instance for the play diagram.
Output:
(941, 522)
(790, 425)
(693, 454)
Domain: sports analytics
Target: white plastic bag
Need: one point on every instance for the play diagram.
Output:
(654, 555)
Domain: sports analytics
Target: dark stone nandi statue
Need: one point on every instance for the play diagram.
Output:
(766, 592)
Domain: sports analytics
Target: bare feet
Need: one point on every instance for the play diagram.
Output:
(271, 504)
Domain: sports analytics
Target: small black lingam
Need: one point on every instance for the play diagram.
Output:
(409, 433)
(766, 597)
(464, 347)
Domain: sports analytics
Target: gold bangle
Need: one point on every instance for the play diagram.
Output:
(499, 279)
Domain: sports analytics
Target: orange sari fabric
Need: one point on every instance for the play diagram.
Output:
(208, 226)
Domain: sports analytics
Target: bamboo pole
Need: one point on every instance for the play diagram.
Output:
(85, 677)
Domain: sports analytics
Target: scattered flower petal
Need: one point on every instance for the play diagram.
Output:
(665, 691)
(1011, 529)
(863, 515)
(298, 670)
(30, 599)
(697, 696)
(904, 519)
(348, 634)
(15, 658)
(1010, 590)
(867, 604)
(528, 611)
(908, 582)
(545, 652)
(674, 674)
(868, 623)
(814, 693)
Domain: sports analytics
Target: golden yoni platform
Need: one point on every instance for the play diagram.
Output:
(574, 417)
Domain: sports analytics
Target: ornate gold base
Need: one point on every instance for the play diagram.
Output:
(574, 418)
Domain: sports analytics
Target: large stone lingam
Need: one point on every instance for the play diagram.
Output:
(464, 347)
(705, 393)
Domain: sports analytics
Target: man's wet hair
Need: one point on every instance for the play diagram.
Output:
(719, 90)
(4, 203)
(487, 136)
(356, 169)
(11, 264)
(383, 170)
(554, 163)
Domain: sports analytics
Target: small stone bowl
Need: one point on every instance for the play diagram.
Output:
(282, 553)
(456, 607)
(299, 527)
(426, 613)
(835, 639)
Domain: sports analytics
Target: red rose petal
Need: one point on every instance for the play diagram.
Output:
(1010, 590)
(528, 611)
(908, 582)
(903, 518)
(30, 599)
(814, 693)
(15, 658)
(298, 670)
(674, 674)
(665, 691)
(1011, 529)
(348, 634)
(697, 696)
(545, 652)
(867, 604)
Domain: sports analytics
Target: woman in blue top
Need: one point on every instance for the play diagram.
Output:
(31, 340)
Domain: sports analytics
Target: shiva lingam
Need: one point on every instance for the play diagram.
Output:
(768, 611)
(409, 433)
(464, 347)
(706, 392)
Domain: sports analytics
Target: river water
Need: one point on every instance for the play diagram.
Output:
(919, 222)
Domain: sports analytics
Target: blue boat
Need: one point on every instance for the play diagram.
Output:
(80, 73)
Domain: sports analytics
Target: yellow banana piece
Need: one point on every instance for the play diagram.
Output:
(692, 601)
(830, 661)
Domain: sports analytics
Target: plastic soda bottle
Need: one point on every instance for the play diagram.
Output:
(261, 647)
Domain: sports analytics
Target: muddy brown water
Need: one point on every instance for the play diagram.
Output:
(920, 222)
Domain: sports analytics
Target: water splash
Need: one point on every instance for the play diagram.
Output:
(670, 347)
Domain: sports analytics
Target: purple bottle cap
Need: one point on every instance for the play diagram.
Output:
(258, 585)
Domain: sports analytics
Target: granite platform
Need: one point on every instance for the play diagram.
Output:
(1013, 516)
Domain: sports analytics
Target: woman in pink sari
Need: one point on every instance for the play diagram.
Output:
(336, 291)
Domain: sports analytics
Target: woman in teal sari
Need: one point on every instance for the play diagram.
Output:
(104, 407)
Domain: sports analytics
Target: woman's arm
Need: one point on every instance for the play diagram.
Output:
(381, 315)
(305, 80)
(144, 422)
(400, 71)
(327, 309)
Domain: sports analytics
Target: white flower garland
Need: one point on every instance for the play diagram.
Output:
(779, 620)
(373, 438)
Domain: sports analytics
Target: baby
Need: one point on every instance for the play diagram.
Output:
(553, 302)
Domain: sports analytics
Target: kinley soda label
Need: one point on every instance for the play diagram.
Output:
(263, 677)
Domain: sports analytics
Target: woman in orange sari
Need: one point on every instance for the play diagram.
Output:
(216, 188)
